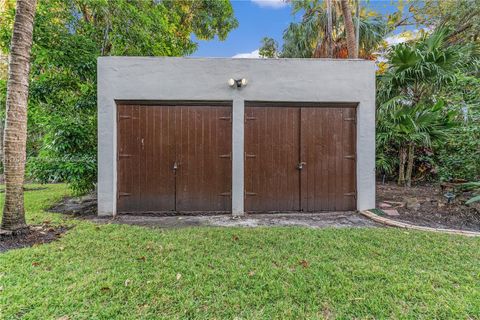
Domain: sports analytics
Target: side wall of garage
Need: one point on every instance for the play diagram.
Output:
(271, 80)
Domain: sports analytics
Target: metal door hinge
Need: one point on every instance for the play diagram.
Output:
(124, 194)
(123, 117)
(229, 155)
(351, 194)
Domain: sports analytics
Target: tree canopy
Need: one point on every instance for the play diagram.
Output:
(69, 35)
(310, 37)
(433, 73)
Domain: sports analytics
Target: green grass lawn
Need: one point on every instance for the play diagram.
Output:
(127, 272)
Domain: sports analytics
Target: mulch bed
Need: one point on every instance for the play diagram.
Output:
(426, 205)
(35, 235)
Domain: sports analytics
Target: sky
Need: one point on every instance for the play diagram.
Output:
(263, 18)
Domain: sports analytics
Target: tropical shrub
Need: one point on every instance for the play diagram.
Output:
(458, 157)
(475, 188)
(412, 112)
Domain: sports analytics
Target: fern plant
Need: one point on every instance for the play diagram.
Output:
(475, 187)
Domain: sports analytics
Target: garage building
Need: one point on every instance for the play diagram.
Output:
(188, 135)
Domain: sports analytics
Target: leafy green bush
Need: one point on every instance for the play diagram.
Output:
(459, 156)
(81, 173)
(475, 187)
(68, 152)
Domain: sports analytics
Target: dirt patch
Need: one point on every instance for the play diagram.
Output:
(427, 205)
(35, 235)
(77, 206)
(86, 207)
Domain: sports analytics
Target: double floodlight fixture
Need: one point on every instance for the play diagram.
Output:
(238, 83)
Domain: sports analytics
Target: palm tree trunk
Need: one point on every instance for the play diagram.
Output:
(329, 33)
(15, 136)
(349, 30)
(324, 47)
(2, 128)
(410, 158)
(401, 168)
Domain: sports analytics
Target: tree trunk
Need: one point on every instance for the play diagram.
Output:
(349, 29)
(329, 33)
(401, 168)
(15, 135)
(410, 158)
(324, 47)
(2, 128)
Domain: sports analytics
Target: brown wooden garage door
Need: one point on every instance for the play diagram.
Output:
(173, 158)
(300, 158)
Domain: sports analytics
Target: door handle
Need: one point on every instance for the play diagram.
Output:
(175, 166)
(300, 165)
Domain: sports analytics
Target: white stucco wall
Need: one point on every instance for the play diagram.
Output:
(199, 79)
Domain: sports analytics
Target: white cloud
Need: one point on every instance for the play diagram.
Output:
(252, 55)
(396, 39)
(405, 36)
(275, 4)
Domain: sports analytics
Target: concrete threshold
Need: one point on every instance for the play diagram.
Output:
(311, 220)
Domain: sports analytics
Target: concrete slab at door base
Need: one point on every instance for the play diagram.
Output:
(347, 219)
(162, 79)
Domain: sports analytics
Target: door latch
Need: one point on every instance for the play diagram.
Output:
(300, 165)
